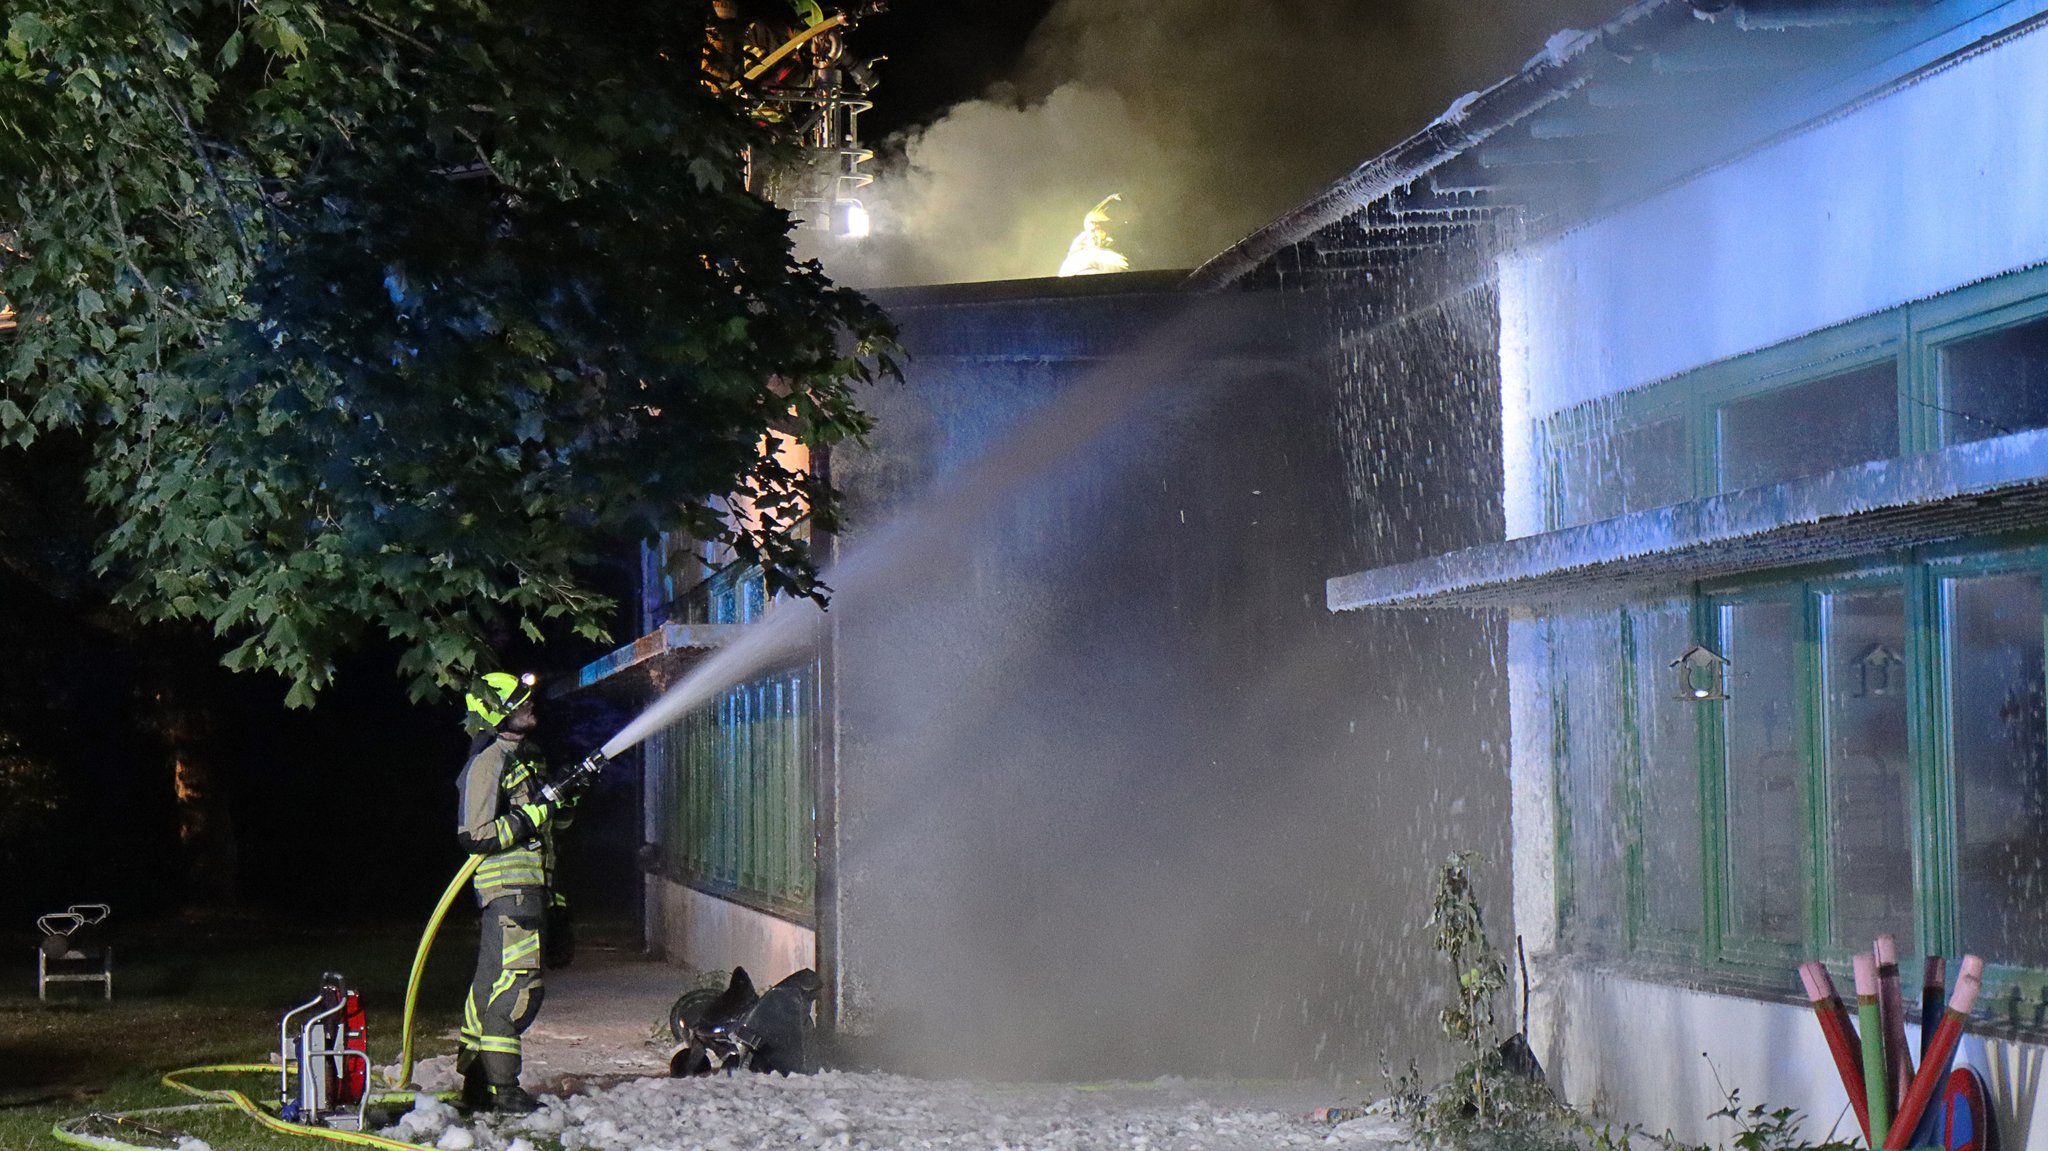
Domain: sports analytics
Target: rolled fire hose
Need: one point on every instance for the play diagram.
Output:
(223, 1099)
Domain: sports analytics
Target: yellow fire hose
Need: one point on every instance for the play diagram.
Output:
(419, 962)
(223, 1099)
(797, 41)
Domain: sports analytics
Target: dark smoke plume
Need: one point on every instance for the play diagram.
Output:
(1210, 117)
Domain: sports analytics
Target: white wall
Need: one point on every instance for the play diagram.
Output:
(1643, 1051)
(1940, 184)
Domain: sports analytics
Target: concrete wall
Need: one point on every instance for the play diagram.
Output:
(704, 933)
(1117, 794)
(1936, 185)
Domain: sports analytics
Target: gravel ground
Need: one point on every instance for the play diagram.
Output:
(873, 1112)
(598, 1056)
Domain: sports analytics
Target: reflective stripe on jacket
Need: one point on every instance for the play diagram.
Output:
(500, 779)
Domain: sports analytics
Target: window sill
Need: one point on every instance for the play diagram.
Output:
(1983, 488)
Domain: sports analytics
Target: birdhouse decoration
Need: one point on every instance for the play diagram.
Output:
(1702, 674)
(1877, 671)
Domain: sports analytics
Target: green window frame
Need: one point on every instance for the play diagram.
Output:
(737, 814)
(1922, 582)
(1624, 693)
(1911, 337)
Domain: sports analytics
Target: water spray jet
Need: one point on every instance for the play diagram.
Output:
(1074, 421)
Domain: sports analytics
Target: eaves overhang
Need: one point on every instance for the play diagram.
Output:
(1983, 489)
(671, 647)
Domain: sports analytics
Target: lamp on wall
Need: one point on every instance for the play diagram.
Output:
(1702, 674)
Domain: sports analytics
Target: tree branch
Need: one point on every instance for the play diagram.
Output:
(220, 190)
(156, 299)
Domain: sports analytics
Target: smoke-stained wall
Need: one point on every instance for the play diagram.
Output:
(1116, 794)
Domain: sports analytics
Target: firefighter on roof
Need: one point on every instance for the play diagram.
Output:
(1091, 253)
(503, 817)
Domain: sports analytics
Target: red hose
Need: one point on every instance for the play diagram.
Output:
(1940, 1053)
(1841, 1037)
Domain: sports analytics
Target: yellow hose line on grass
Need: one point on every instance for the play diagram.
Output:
(62, 1134)
(248, 1107)
(225, 1098)
(419, 963)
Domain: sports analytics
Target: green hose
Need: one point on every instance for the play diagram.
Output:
(223, 1099)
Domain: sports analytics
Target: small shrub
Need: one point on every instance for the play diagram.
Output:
(1497, 1100)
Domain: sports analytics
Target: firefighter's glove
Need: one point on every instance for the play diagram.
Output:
(536, 815)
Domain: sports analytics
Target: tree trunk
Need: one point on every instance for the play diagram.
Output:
(183, 720)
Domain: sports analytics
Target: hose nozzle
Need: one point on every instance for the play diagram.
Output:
(576, 780)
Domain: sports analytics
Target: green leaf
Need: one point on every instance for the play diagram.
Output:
(84, 82)
(285, 37)
(708, 174)
(26, 33)
(230, 50)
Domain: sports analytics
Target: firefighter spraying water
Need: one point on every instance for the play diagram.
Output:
(507, 814)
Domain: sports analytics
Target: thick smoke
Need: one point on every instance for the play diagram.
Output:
(1210, 117)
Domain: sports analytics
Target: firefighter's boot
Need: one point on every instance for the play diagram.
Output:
(510, 1099)
(476, 1090)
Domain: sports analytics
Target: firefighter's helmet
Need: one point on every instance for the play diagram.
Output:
(507, 693)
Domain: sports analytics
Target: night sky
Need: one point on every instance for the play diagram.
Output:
(942, 53)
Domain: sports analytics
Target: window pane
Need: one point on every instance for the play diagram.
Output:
(1766, 772)
(1614, 472)
(1586, 655)
(1997, 737)
(1811, 428)
(1670, 772)
(1996, 383)
(1869, 788)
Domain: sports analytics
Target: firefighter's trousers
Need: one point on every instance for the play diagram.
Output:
(506, 993)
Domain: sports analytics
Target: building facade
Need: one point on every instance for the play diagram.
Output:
(1774, 453)
(1078, 777)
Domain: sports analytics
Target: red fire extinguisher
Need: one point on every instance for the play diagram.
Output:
(355, 1036)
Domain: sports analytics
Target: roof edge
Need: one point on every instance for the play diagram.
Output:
(1471, 120)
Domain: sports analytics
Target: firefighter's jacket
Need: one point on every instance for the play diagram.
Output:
(501, 816)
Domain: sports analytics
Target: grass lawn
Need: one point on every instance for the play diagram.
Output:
(193, 994)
